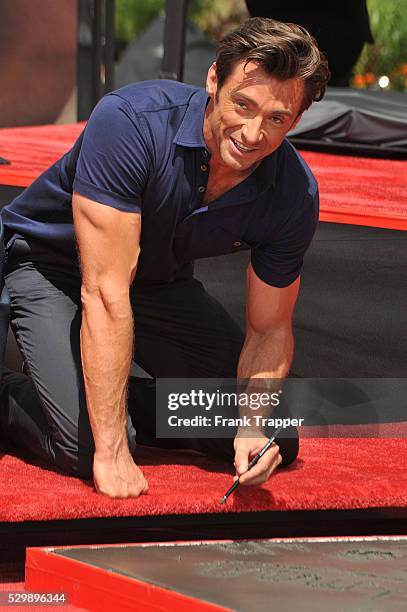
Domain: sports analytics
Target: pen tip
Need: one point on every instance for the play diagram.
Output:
(222, 500)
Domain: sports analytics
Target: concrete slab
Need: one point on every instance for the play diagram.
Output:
(305, 575)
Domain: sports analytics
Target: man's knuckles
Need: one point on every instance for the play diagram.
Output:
(261, 473)
(123, 491)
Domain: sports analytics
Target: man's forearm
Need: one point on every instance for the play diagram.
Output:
(264, 362)
(106, 350)
(267, 355)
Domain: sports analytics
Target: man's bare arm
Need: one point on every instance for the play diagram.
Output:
(108, 242)
(267, 354)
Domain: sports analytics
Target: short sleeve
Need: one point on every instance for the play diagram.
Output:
(114, 161)
(278, 261)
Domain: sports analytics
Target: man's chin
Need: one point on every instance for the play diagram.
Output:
(239, 165)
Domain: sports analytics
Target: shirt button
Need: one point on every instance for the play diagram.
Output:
(204, 167)
(237, 243)
(201, 189)
(205, 153)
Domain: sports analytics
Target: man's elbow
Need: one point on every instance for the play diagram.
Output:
(276, 344)
(276, 328)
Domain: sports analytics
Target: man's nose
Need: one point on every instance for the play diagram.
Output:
(252, 131)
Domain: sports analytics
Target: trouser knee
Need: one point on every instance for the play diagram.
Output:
(74, 462)
(289, 446)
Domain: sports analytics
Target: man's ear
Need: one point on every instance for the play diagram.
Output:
(212, 81)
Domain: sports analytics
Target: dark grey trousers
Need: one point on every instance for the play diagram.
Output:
(180, 332)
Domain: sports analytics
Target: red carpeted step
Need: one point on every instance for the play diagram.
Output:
(330, 473)
(360, 191)
(31, 150)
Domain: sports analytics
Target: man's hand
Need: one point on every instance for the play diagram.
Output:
(118, 477)
(245, 450)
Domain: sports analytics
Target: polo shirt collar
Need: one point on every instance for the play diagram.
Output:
(266, 173)
(190, 132)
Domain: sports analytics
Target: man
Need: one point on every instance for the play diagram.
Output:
(164, 173)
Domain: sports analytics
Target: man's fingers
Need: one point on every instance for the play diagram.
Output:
(124, 493)
(262, 471)
(264, 477)
(241, 460)
(258, 472)
(122, 488)
(245, 452)
(135, 489)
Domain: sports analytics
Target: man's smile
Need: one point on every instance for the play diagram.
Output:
(240, 147)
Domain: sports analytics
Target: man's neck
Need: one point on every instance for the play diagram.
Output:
(219, 181)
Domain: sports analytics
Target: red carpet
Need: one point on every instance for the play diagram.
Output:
(354, 190)
(331, 473)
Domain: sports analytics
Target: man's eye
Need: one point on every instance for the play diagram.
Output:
(277, 119)
(241, 105)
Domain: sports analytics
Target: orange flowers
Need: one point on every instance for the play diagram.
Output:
(370, 78)
(364, 80)
(396, 79)
(359, 81)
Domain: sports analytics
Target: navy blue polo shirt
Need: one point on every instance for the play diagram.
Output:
(143, 150)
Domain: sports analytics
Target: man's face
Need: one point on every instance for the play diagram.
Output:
(249, 116)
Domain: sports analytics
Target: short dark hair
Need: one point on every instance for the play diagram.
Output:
(283, 50)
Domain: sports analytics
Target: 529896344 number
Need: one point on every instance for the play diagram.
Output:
(16, 598)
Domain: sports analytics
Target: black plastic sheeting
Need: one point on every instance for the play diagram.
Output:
(361, 122)
(350, 319)
(143, 56)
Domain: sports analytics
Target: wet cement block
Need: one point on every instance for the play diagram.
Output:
(307, 575)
